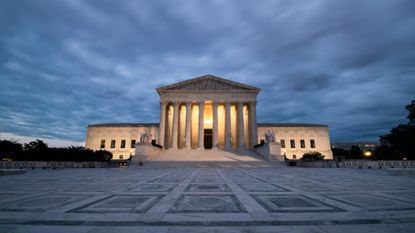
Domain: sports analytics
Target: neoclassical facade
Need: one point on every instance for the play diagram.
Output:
(205, 113)
(208, 112)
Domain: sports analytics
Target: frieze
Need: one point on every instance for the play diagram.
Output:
(215, 97)
(207, 83)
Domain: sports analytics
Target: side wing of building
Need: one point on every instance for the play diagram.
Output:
(118, 138)
(297, 139)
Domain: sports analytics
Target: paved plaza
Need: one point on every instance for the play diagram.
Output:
(208, 199)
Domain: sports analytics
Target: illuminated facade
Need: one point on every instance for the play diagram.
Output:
(208, 112)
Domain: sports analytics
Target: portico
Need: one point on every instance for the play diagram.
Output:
(208, 113)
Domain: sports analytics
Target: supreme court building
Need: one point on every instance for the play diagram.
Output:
(205, 113)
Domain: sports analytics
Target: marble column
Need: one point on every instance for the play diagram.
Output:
(241, 132)
(188, 135)
(175, 125)
(252, 124)
(162, 125)
(228, 143)
(201, 124)
(215, 126)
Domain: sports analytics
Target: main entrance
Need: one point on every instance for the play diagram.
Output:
(208, 138)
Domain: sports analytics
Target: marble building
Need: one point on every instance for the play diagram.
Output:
(205, 113)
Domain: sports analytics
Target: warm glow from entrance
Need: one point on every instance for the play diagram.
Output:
(208, 116)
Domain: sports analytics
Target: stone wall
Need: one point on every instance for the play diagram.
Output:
(377, 164)
(51, 164)
(358, 164)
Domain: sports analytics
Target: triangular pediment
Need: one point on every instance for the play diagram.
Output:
(208, 83)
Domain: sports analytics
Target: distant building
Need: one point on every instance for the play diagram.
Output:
(205, 113)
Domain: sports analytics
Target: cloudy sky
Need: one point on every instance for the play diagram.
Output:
(65, 64)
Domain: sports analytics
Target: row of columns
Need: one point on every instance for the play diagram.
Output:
(228, 144)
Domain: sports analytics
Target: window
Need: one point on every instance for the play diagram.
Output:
(312, 143)
(292, 142)
(282, 141)
(121, 156)
(122, 143)
(302, 142)
(294, 156)
(102, 144)
(132, 143)
(113, 143)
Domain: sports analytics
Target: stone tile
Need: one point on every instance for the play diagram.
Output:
(52, 229)
(275, 203)
(170, 179)
(120, 204)
(93, 187)
(141, 199)
(135, 229)
(207, 180)
(378, 228)
(372, 202)
(207, 188)
(206, 203)
(149, 187)
(262, 188)
(41, 203)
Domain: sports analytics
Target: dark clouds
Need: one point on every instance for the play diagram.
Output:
(67, 64)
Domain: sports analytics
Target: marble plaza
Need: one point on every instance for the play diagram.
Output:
(209, 199)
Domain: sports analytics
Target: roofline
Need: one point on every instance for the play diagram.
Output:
(162, 88)
(290, 125)
(123, 125)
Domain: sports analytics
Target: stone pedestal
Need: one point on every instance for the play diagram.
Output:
(143, 150)
(275, 152)
(270, 151)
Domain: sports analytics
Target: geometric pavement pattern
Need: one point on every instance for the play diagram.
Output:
(208, 199)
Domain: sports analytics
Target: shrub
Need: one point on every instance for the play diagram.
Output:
(312, 156)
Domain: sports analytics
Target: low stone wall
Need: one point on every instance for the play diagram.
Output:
(377, 164)
(51, 164)
(359, 164)
(322, 164)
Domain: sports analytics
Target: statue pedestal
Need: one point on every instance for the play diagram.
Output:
(271, 151)
(144, 150)
(275, 152)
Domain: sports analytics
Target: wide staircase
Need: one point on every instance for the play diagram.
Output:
(209, 158)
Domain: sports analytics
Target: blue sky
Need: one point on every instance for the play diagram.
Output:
(68, 63)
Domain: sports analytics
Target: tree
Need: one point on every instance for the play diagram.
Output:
(10, 150)
(400, 142)
(339, 152)
(411, 115)
(312, 156)
(355, 152)
(39, 151)
(35, 150)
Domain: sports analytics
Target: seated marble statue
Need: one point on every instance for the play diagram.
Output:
(269, 136)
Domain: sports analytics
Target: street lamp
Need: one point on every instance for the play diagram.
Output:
(367, 153)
